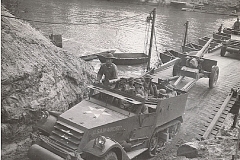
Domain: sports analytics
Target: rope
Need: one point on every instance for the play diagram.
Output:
(155, 39)
(65, 23)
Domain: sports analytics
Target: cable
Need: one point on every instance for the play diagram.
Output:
(155, 39)
(89, 23)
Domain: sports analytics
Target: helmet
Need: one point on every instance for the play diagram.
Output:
(147, 76)
(163, 92)
(130, 79)
(109, 55)
(138, 81)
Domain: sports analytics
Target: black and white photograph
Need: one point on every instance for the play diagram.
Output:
(120, 80)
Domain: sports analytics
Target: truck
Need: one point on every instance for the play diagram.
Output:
(101, 127)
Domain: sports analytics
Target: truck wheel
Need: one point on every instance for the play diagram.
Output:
(223, 51)
(110, 156)
(213, 76)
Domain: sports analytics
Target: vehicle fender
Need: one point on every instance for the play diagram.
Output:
(46, 125)
(110, 145)
(37, 152)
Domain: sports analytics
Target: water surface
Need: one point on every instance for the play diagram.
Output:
(97, 25)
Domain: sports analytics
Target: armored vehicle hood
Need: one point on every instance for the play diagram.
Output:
(87, 115)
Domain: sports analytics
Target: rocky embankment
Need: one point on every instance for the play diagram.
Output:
(35, 75)
(224, 146)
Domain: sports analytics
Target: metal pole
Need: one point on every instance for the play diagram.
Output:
(204, 49)
(151, 39)
(185, 36)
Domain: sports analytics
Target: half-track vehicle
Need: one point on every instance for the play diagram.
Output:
(100, 127)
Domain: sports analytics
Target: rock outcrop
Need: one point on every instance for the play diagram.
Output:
(224, 146)
(35, 74)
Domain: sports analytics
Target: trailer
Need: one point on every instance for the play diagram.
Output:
(196, 67)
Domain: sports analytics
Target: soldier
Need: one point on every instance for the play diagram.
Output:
(220, 28)
(162, 93)
(236, 25)
(140, 93)
(130, 87)
(139, 90)
(108, 69)
(149, 87)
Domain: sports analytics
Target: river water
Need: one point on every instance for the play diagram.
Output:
(91, 26)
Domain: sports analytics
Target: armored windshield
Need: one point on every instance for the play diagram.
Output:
(116, 98)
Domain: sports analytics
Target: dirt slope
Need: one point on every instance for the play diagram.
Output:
(34, 73)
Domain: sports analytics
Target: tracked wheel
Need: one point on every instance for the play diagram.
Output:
(213, 76)
(173, 130)
(153, 143)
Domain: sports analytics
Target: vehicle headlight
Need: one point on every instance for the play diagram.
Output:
(100, 142)
(44, 114)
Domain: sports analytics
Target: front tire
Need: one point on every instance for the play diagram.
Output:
(110, 156)
(213, 76)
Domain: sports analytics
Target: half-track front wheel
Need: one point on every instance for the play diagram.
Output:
(110, 156)
(213, 76)
(223, 51)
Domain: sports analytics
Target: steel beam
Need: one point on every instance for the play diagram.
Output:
(217, 116)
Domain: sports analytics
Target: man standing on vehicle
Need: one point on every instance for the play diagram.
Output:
(236, 25)
(108, 69)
